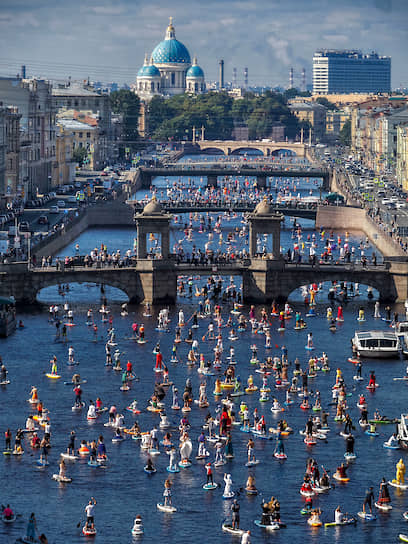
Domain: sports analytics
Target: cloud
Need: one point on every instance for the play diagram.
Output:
(268, 36)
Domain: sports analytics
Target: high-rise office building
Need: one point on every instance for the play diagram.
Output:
(343, 71)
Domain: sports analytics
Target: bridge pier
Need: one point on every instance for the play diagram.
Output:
(158, 281)
(263, 281)
(261, 181)
(212, 180)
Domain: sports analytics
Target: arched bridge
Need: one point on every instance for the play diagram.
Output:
(213, 171)
(293, 210)
(267, 148)
(156, 280)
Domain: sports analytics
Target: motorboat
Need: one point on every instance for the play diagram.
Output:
(376, 344)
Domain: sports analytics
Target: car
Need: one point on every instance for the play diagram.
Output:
(53, 194)
(78, 184)
(24, 226)
(72, 198)
(54, 209)
(61, 203)
(43, 220)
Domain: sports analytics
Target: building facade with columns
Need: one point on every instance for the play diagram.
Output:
(169, 70)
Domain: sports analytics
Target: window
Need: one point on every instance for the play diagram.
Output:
(88, 134)
(76, 103)
(173, 78)
(79, 134)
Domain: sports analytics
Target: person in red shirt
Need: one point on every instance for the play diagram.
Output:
(98, 404)
(159, 360)
(8, 512)
(208, 468)
(78, 395)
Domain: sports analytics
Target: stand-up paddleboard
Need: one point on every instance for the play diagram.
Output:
(70, 383)
(229, 529)
(5, 382)
(88, 531)
(61, 479)
(358, 378)
(40, 463)
(173, 470)
(385, 507)
(78, 407)
(339, 478)
(350, 456)
(367, 516)
(210, 486)
(252, 463)
(394, 483)
(53, 376)
(149, 471)
(69, 457)
(271, 527)
(402, 537)
(349, 521)
(166, 508)
(391, 447)
(9, 520)
(7, 452)
(280, 456)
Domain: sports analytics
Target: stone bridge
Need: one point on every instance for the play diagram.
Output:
(244, 206)
(229, 147)
(212, 172)
(155, 281)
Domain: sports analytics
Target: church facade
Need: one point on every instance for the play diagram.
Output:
(169, 70)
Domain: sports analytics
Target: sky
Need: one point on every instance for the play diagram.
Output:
(107, 39)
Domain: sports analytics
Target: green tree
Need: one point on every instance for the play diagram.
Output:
(79, 155)
(127, 104)
(324, 102)
(345, 133)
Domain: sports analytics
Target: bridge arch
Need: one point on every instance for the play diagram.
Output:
(253, 151)
(129, 283)
(213, 150)
(84, 293)
(283, 152)
(381, 280)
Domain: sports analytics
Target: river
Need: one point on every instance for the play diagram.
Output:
(123, 489)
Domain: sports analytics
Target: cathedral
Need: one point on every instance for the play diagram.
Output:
(169, 70)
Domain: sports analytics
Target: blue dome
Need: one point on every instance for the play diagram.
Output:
(195, 71)
(148, 71)
(171, 51)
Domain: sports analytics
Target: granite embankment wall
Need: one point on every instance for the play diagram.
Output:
(355, 218)
(107, 213)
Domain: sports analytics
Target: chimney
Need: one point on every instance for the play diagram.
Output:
(291, 78)
(303, 79)
(234, 78)
(221, 74)
(246, 78)
(23, 71)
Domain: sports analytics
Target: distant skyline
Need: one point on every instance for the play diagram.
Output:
(107, 40)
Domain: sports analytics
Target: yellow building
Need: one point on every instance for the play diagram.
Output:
(402, 156)
(313, 113)
(87, 136)
(64, 170)
(335, 121)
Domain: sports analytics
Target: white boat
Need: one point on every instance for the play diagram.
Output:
(376, 344)
(401, 330)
